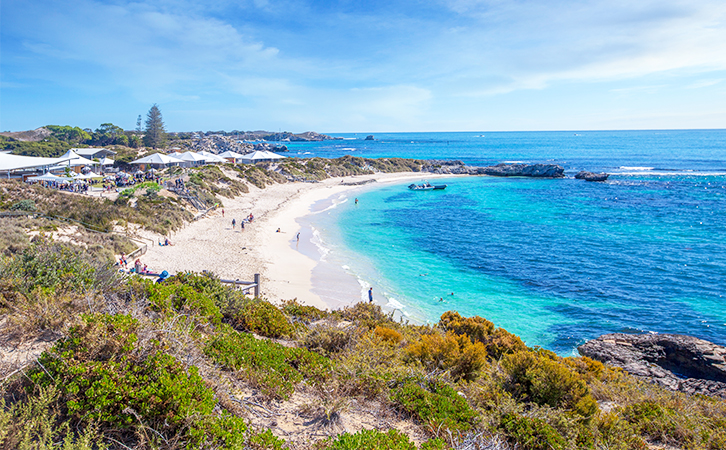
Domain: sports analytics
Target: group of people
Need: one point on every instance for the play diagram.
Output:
(138, 268)
(249, 219)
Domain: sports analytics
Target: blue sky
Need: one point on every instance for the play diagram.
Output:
(373, 66)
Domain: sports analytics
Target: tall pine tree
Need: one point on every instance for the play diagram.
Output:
(155, 133)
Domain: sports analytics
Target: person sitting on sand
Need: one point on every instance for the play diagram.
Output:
(145, 269)
(167, 241)
(278, 230)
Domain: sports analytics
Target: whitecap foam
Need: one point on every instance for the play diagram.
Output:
(670, 173)
(395, 304)
(336, 202)
(318, 242)
(638, 168)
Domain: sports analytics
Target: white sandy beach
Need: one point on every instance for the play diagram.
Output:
(212, 244)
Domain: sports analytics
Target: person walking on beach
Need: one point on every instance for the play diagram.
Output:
(234, 222)
(222, 212)
(370, 295)
(298, 237)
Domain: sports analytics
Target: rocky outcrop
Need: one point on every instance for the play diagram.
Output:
(591, 176)
(523, 170)
(677, 362)
(369, 138)
(271, 147)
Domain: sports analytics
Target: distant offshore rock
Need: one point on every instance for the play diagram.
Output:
(674, 361)
(591, 176)
(369, 138)
(523, 170)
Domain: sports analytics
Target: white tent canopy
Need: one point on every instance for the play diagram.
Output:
(157, 158)
(50, 177)
(74, 159)
(9, 163)
(105, 161)
(86, 176)
(261, 155)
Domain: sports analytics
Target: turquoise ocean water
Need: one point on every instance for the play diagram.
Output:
(556, 261)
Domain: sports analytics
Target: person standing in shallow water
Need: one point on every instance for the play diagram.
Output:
(370, 295)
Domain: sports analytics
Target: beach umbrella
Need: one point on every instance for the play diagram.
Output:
(106, 161)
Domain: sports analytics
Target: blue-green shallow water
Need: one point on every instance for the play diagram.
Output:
(555, 261)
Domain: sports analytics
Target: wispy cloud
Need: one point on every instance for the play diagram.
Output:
(377, 64)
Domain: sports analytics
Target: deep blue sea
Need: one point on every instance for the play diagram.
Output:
(557, 262)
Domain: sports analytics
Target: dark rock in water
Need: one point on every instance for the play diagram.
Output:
(677, 362)
(590, 176)
(369, 138)
(270, 147)
(523, 170)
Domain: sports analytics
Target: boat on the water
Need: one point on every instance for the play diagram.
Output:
(426, 186)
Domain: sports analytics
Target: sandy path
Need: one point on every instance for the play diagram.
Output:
(212, 244)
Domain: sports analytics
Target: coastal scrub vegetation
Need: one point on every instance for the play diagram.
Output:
(190, 363)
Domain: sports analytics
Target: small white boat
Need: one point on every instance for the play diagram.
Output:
(426, 186)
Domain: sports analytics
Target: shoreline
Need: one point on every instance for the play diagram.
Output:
(212, 244)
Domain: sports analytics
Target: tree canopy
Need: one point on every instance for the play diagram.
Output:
(155, 133)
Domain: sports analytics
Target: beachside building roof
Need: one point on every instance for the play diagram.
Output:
(191, 156)
(230, 154)
(260, 155)
(158, 159)
(10, 163)
(94, 152)
(211, 157)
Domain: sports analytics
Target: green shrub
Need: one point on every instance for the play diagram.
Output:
(257, 316)
(532, 434)
(365, 314)
(275, 369)
(329, 339)
(456, 354)
(370, 440)
(617, 434)
(436, 404)
(101, 378)
(36, 422)
(653, 420)
(498, 341)
(388, 335)
(538, 377)
(303, 313)
(182, 298)
(50, 266)
(24, 205)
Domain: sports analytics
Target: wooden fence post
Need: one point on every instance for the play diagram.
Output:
(257, 285)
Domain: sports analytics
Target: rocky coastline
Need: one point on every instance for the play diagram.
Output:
(674, 361)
